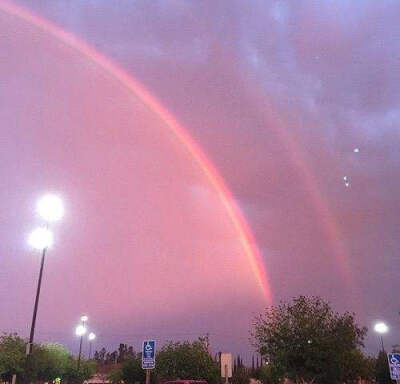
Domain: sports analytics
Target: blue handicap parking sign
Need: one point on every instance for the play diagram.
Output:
(149, 354)
(394, 365)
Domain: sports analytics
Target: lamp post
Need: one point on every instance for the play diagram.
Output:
(81, 331)
(91, 338)
(381, 328)
(40, 239)
(50, 208)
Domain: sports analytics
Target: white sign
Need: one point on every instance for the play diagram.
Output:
(226, 364)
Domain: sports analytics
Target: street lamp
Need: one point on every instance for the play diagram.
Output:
(91, 338)
(80, 331)
(40, 239)
(381, 328)
(50, 208)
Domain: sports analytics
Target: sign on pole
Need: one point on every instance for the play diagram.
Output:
(394, 365)
(149, 354)
(226, 365)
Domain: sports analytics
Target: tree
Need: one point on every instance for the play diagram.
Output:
(12, 356)
(382, 369)
(185, 360)
(305, 340)
(241, 376)
(49, 361)
(130, 371)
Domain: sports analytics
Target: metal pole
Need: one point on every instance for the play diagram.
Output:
(80, 352)
(32, 334)
(90, 349)
(147, 376)
(383, 348)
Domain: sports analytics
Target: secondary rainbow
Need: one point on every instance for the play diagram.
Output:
(238, 220)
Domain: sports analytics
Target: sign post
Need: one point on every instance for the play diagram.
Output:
(226, 366)
(394, 366)
(148, 357)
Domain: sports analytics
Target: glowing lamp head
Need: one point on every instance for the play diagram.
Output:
(80, 330)
(41, 238)
(50, 208)
(91, 336)
(84, 318)
(381, 328)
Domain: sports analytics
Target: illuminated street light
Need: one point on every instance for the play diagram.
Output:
(50, 208)
(41, 238)
(91, 338)
(381, 328)
(80, 330)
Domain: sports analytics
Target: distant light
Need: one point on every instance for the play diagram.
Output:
(84, 318)
(345, 178)
(91, 336)
(50, 208)
(381, 327)
(41, 238)
(347, 184)
(309, 341)
(80, 330)
(356, 150)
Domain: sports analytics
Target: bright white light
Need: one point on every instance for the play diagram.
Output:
(80, 330)
(41, 238)
(347, 184)
(91, 336)
(345, 178)
(50, 208)
(381, 327)
(84, 318)
(356, 150)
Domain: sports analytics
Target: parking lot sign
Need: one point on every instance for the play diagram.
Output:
(149, 354)
(394, 365)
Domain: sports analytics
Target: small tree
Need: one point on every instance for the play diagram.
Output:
(185, 360)
(306, 341)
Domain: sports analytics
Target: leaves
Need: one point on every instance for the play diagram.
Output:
(306, 340)
(186, 360)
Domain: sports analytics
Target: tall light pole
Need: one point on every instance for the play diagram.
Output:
(81, 331)
(381, 328)
(41, 239)
(91, 338)
(50, 208)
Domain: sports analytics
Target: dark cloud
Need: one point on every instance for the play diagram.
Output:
(276, 92)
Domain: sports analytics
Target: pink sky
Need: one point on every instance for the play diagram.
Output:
(278, 95)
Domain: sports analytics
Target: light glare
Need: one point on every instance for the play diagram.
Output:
(50, 208)
(80, 330)
(381, 327)
(41, 238)
(84, 318)
(91, 336)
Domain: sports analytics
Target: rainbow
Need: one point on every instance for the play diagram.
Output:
(127, 80)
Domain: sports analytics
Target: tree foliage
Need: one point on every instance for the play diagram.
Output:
(185, 360)
(12, 356)
(382, 369)
(305, 340)
(48, 362)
